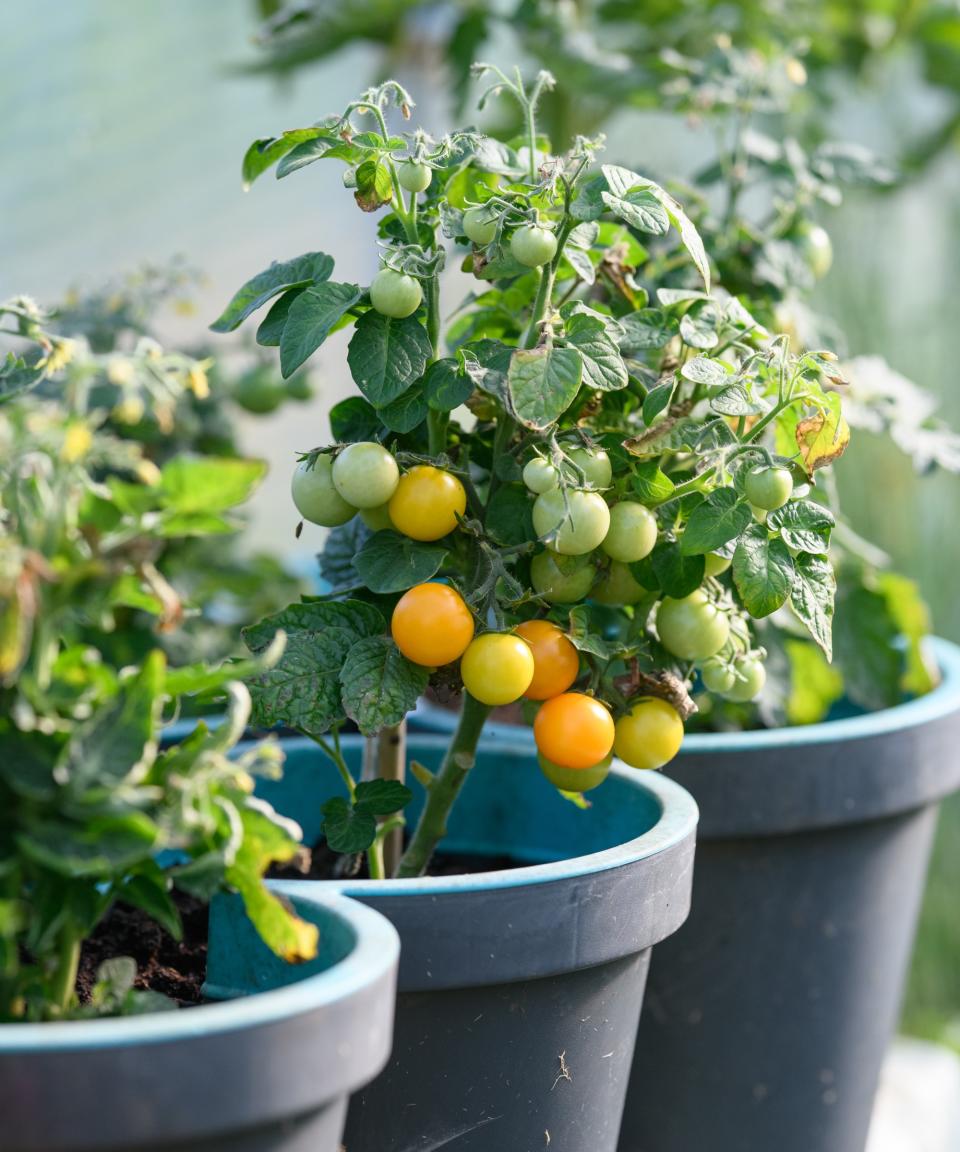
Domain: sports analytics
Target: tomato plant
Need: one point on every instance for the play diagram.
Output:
(574, 453)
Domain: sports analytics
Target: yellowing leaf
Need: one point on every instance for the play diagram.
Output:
(822, 438)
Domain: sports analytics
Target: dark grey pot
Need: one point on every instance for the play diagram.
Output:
(767, 1020)
(265, 1073)
(520, 990)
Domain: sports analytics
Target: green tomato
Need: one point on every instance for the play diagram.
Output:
(716, 564)
(617, 587)
(365, 474)
(315, 496)
(632, 532)
(718, 677)
(298, 387)
(561, 579)
(259, 391)
(414, 176)
(480, 225)
(769, 488)
(818, 249)
(540, 475)
(748, 682)
(579, 520)
(395, 294)
(574, 779)
(692, 628)
(377, 519)
(595, 466)
(532, 245)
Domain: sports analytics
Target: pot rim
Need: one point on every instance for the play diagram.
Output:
(375, 952)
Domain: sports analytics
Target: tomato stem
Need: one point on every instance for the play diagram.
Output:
(460, 758)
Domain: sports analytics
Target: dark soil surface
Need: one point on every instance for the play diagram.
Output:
(175, 969)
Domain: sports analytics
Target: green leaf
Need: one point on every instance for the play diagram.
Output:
(543, 383)
(383, 797)
(734, 400)
(803, 525)
(149, 889)
(647, 328)
(721, 517)
(629, 196)
(311, 268)
(656, 400)
(762, 571)
(588, 202)
(703, 370)
(911, 615)
(406, 412)
(509, 517)
(603, 366)
(677, 575)
(389, 562)
(264, 153)
(689, 236)
(584, 634)
(348, 828)
(650, 484)
(386, 356)
(374, 185)
(812, 596)
(445, 386)
(17, 376)
(100, 847)
(340, 550)
(380, 685)
(698, 329)
(209, 484)
(865, 645)
(354, 419)
(303, 689)
(814, 685)
(310, 319)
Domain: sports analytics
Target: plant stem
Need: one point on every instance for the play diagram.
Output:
(391, 764)
(333, 751)
(443, 792)
(63, 984)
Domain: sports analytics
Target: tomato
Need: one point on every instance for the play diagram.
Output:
(574, 730)
(315, 496)
(579, 520)
(259, 391)
(414, 176)
(365, 474)
(497, 668)
(716, 564)
(632, 532)
(575, 779)
(818, 249)
(617, 587)
(595, 466)
(427, 502)
(561, 579)
(749, 682)
(377, 519)
(718, 676)
(649, 735)
(395, 294)
(299, 387)
(769, 488)
(432, 624)
(480, 225)
(533, 245)
(540, 476)
(692, 628)
(556, 663)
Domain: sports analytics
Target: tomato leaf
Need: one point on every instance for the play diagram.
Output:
(803, 525)
(310, 319)
(762, 572)
(721, 517)
(674, 573)
(406, 412)
(445, 386)
(389, 562)
(379, 686)
(312, 268)
(348, 827)
(811, 597)
(647, 328)
(603, 366)
(650, 484)
(629, 196)
(386, 356)
(822, 438)
(543, 383)
(382, 797)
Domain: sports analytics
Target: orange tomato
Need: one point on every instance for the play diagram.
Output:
(574, 730)
(432, 624)
(556, 663)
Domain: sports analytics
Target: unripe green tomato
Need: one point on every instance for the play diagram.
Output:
(818, 250)
(579, 523)
(768, 487)
(595, 466)
(315, 496)
(750, 680)
(377, 519)
(574, 779)
(540, 475)
(718, 677)
(413, 175)
(716, 564)
(299, 388)
(692, 628)
(616, 587)
(632, 533)
(561, 580)
(480, 225)
(395, 294)
(532, 245)
(365, 474)
(259, 391)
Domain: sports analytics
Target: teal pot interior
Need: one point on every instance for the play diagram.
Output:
(254, 1074)
(520, 989)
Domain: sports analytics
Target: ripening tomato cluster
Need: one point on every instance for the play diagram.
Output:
(576, 735)
(423, 503)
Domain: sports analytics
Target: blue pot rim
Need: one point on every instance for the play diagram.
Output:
(375, 952)
(941, 701)
(676, 823)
